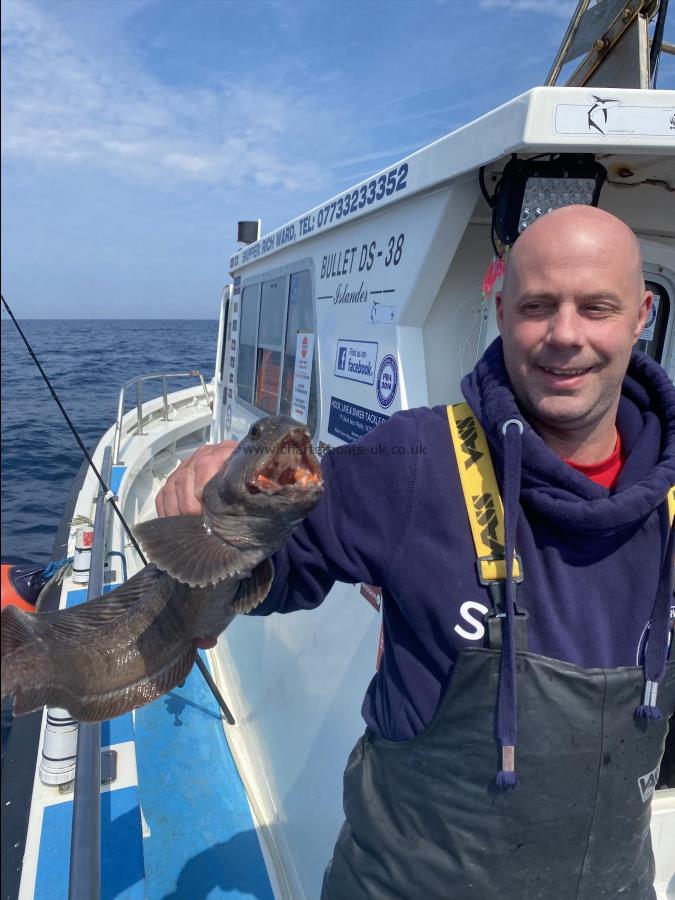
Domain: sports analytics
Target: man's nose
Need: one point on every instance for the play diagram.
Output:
(566, 327)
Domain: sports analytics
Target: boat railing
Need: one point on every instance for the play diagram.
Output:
(139, 381)
(85, 842)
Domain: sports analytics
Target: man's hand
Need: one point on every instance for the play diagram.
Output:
(182, 493)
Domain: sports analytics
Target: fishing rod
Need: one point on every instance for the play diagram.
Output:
(110, 497)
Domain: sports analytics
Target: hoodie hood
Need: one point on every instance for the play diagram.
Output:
(645, 420)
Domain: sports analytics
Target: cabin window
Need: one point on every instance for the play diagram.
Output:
(273, 314)
(248, 333)
(270, 336)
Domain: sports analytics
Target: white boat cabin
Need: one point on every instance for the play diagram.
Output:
(370, 303)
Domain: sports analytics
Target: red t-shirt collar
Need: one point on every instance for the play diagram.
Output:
(605, 472)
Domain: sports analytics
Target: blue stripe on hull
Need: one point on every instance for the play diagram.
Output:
(202, 841)
(117, 731)
(116, 478)
(122, 871)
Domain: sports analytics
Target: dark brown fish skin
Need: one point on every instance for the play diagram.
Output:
(130, 646)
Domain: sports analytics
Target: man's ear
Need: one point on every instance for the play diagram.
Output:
(499, 310)
(643, 315)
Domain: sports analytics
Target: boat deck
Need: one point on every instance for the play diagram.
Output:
(175, 822)
(199, 836)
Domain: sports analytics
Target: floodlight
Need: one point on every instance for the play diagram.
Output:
(530, 188)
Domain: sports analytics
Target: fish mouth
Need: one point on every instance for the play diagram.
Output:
(292, 465)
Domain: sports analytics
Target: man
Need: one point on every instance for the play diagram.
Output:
(569, 706)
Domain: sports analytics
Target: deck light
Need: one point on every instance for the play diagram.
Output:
(530, 188)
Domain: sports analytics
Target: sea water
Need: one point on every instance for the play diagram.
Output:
(87, 361)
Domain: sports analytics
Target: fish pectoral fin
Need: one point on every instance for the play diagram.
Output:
(252, 591)
(182, 547)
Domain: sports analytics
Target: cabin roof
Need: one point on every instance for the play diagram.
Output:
(544, 119)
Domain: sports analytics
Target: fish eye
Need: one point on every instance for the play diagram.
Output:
(255, 431)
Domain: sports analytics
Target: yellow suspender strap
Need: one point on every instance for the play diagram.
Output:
(481, 494)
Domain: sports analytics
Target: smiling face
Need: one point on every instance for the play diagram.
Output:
(572, 307)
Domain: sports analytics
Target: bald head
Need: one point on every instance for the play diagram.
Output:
(572, 306)
(574, 232)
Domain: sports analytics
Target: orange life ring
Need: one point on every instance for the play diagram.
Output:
(9, 594)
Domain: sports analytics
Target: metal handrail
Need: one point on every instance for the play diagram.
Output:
(567, 40)
(139, 381)
(85, 840)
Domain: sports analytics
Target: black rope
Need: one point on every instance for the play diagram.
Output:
(200, 664)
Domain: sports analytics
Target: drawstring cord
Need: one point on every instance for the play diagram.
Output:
(507, 717)
(656, 651)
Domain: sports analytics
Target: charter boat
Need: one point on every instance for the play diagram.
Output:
(378, 300)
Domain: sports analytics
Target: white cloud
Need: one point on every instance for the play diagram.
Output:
(65, 105)
(76, 92)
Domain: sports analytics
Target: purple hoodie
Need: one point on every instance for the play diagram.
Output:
(393, 515)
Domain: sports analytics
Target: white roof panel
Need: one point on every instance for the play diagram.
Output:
(545, 119)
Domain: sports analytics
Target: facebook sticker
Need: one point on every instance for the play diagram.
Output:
(356, 360)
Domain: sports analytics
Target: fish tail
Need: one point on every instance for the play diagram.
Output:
(55, 658)
(26, 667)
(17, 629)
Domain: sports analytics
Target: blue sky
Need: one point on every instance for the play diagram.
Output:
(135, 133)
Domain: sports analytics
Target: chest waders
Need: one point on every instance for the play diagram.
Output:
(425, 818)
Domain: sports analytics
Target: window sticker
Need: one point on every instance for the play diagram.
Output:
(302, 376)
(387, 381)
(373, 594)
(603, 116)
(349, 421)
(356, 360)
